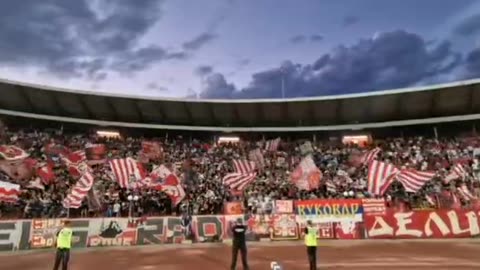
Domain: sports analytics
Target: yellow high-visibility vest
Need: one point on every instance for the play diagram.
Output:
(311, 237)
(64, 238)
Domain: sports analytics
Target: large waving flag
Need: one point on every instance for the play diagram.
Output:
(244, 174)
(161, 178)
(80, 190)
(127, 171)
(381, 175)
(306, 176)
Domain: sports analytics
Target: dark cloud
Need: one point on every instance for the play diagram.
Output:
(203, 70)
(316, 38)
(472, 64)
(77, 38)
(298, 39)
(469, 26)
(389, 60)
(350, 20)
(199, 41)
(217, 87)
(136, 60)
(155, 87)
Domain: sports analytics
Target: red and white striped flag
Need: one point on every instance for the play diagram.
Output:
(414, 180)
(9, 192)
(457, 171)
(126, 170)
(331, 186)
(257, 157)
(465, 193)
(243, 166)
(370, 156)
(244, 174)
(79, 191)
(379, 173)
(272, 145)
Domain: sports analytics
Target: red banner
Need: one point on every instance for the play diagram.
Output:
(233, 208)
(423, 224)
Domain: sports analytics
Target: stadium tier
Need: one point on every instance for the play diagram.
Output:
(80, 171)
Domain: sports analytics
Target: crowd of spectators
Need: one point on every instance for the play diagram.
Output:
(201, 166)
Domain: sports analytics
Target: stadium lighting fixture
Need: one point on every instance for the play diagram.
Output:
(228, 139)
(356, 139)
(108, 134)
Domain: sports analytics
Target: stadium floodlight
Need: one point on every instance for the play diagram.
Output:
(108, 134)
(228, 139)
(356, 139)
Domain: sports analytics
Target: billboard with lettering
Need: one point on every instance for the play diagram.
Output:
(423, 224)
(330, 210)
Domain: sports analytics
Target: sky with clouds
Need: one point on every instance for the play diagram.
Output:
(239, 48)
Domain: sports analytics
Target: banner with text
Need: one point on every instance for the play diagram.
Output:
(423, 224)
(330, 210)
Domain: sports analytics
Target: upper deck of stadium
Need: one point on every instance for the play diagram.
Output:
(421, 105)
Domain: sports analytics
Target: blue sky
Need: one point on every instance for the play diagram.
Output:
(239, 48)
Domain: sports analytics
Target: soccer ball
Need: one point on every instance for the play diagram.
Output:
(275, 266)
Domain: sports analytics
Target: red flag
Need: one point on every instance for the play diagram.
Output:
(306, 176)
(9, 192)
(152, 150)
(46, 173)
(164, 180)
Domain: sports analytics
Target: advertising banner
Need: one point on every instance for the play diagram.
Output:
(423, 224)
(284, 227)
(260, 226)
(112, 232)
(283, 207)
(321, 211)
(42, 232)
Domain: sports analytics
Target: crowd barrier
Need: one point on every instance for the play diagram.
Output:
(335, 219)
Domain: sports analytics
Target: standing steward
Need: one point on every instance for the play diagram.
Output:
(311, 243)
(64, 243)
(239, 244)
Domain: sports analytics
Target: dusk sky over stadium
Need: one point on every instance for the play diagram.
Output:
(239, 48)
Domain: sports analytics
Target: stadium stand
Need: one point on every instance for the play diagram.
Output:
(61, 165)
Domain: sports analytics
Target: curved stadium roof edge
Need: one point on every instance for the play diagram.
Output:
(261, 100)
(456, 101)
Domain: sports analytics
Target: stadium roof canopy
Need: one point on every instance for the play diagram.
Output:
(441, 103)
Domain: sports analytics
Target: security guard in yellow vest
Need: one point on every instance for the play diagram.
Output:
(311, 243)
(64, 243)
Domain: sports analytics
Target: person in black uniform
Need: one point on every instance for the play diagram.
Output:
(239, 244)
